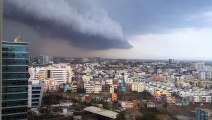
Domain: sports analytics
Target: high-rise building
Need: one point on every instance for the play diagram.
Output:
(14, 80)
(172, 61)
(201, 75)
(45, 59)
(198, 66)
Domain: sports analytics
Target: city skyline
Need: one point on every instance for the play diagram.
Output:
(119, 29)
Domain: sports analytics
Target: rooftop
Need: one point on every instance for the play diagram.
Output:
(9, 42)
(103, 112)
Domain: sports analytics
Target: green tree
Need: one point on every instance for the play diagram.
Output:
(145, 95)
(106, 106)
(120, 116)
(80, 90)
(149, 116)
(165, 104)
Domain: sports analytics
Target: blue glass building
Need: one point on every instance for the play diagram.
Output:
(201, 115)
(14, 80)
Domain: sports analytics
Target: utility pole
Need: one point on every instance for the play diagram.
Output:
(1, 33)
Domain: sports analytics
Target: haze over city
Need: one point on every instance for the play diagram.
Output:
(145, 29)
(105, 60)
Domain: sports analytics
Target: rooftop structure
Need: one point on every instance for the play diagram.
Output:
(103, 112)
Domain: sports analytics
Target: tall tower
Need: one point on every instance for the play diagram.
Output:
(15, 58)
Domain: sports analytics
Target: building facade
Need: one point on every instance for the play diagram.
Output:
(45, 59)
(137, 87)
(14, 80)
(61, 73)
(35, 93)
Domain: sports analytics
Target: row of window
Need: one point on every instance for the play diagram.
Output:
(15, 82)
(15, 96)
(15, 61)
(35, 96)
(15, 55)
(36, 88)
(14, 68)
(14, 103)
(35, 100)
(34, 104)
(36, 92)
(15, 117)
(14, 89)
(15, 48)
(15, 75)
(14, 110)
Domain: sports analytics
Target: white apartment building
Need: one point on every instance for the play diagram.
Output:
(137, 87)
(93, 87)
(97, 88)
(89, 88)
(198, 66)
(206, 99)
(202, 99)
(61, 73)
(201, 75)
(129, 80)
(36, 73)
(35, 93)
(87, 78)
(112, 89)
(109, 81)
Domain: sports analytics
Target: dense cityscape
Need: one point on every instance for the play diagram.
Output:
(49, 87)
(103, 60)
(162, 87)
(99, 88)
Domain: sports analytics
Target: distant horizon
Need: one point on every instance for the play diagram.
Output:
(153, 59)
(119, 29)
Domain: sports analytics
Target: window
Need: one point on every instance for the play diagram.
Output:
(14, 110)
(15, 89)
(14, 82)
(35, 96)
(10, 48)
(35, 92)
(35, 100)
(14, 68)
(14, 103)
(36, 88)
(34, 104)
(14, 55)
(15, 61)
(14, 75)
(15, 96)
(13, 117)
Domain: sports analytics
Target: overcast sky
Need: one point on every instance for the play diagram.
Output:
(143, 29)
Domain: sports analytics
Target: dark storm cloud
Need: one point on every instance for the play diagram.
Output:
(82, 23)
(156, 16)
